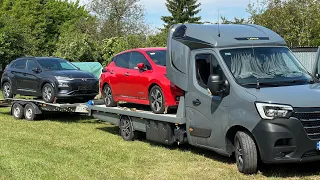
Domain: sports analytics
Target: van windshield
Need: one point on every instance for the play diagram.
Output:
(266, 65)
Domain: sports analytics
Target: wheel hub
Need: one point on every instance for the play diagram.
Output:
(16, 112)
(108, 95)
(126, 130)
(6, 90)
(29, 113)
(239, 153)
(156, 101)
(47, 93)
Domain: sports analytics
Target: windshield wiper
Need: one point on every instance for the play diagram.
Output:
(297, 81)
(258, 84)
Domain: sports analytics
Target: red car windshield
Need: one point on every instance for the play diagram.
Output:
(158, 57)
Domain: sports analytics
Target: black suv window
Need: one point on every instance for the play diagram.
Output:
(136, 58)
(19, 64)
(32, 65)
(122, 60)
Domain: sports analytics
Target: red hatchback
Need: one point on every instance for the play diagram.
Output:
(138, 76)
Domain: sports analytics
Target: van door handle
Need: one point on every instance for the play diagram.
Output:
(126, 74)
(196, 102)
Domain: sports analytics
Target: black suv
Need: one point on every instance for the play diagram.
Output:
(48, 78)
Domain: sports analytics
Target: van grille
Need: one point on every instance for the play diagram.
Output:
(310, 122)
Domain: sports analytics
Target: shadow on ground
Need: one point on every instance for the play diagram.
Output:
(67, 118)
(267, 170)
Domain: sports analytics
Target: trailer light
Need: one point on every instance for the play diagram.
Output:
(272, 111)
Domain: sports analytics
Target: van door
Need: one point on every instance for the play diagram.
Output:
(205, 113)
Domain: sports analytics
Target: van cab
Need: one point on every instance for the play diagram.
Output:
(245, 94)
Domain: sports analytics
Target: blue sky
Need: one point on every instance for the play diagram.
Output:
(209, 10)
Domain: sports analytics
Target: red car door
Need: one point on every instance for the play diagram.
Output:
(138, 80)
(118, 78)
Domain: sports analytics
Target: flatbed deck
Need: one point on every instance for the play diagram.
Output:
(4, 104)
(136, 111)
(52, 107)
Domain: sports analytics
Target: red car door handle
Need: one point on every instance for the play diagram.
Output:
(126, 74)
(111, 72)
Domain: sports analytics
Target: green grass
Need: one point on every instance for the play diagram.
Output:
(75, 147)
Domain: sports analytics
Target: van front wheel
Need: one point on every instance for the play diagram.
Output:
(245, 153)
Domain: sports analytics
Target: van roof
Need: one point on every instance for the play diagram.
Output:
(225, 35)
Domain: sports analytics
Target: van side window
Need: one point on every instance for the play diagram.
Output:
(206, 64)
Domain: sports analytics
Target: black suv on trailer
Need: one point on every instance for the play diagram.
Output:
(48, 77)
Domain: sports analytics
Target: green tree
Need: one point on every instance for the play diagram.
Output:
(119, 18)
(182, 11)
(298, 21)
(34, 27)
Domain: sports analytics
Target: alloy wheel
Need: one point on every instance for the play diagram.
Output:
(156, 100)
(125, 128)
(47, 93)
(107, 95)
(6, 90)
(238, 153)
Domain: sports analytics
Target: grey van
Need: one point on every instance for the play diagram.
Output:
(245, 93)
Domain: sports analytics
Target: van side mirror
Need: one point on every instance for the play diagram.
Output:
(140, 66)
(215, 84)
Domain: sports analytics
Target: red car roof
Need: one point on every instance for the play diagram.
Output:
(144, 49)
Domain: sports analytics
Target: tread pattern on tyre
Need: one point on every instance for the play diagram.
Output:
(249, 154)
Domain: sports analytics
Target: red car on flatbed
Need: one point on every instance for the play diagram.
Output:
(138, 76)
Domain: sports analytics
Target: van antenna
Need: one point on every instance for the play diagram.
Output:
(219, 35)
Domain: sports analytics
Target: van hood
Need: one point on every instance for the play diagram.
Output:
(71, 74)
(296, 96)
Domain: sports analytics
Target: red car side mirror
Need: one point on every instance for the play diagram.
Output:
(140, 66)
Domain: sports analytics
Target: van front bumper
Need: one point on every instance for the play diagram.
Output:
(285, 141)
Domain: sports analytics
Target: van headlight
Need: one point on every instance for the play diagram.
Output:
(272, 111)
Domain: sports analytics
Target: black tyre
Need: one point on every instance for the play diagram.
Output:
(156, 100)
(108, 97)
(246, 153)
(29, 112)
(7, 90)
(126, 129)
(17, 111)
(48, 93)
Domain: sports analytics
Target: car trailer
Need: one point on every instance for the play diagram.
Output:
(28, 109)
(161, 128)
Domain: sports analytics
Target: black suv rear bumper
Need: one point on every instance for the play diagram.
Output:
(285, 141)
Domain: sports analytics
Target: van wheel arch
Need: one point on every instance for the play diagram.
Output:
(231, 133)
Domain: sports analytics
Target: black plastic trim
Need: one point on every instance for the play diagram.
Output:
(200, 132)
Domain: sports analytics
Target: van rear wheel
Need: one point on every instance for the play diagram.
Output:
(245, 153)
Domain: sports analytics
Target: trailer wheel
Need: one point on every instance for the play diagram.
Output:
(126, 129)
(17, 111)
(29, 112)
(245, 153)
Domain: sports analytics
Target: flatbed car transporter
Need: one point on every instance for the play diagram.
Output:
(225, 107)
